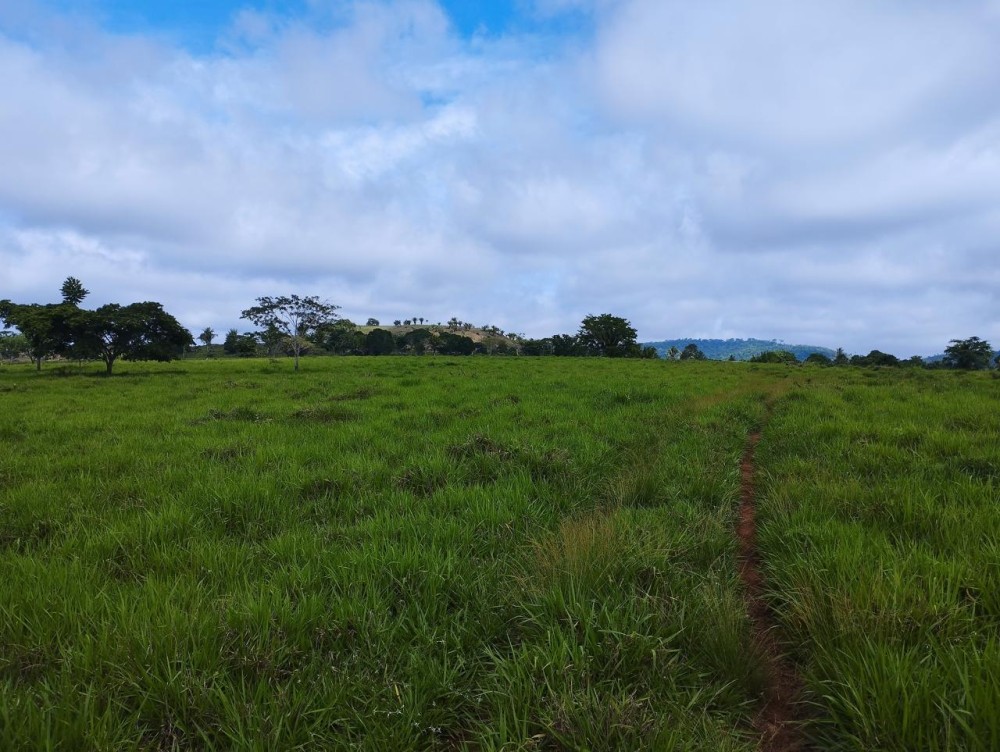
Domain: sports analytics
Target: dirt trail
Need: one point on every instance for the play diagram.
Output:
(778, 718)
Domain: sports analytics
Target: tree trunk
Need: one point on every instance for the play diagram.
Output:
(38, 364)
(296, 351)
(110, 363)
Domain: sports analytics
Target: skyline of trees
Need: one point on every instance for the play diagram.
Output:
(300, 325)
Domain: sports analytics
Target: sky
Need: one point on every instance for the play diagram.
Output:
(822, 173)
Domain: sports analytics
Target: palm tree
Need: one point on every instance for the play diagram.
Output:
(206, 337)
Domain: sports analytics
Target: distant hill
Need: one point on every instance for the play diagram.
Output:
(741, 349)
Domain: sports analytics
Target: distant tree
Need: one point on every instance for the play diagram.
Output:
(914, 361)
(649, 353)
(607, 335)
(406, 322)
(139, 331)
(296, 317)
(732, 359)
(397, 322)
(73, 291)
(206, 338)
(341, 337)
(417, 341)
(372, 322)
(775, 356)
(566, 345)
(673, 353)
(819, 359)
(271, 338)
(840, 358)
(12, 345)
(875, 358)
(231, 342)
(379, 342)
(534, 347)
(246, 345)
(692, 352)
(972, 354)
(454, 344)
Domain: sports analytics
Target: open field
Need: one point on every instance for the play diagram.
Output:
(523, 553)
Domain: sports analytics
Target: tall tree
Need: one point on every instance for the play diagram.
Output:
(139, 331)
(972, 354)
(296, 317)
(12, 345)
(46, 328)
(607, 335)
(691, 351)
(73, 291)
(206, 338)
(379, 342)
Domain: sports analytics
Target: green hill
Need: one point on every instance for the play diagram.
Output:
(741, 349)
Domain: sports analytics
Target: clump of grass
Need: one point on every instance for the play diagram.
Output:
(324, 414)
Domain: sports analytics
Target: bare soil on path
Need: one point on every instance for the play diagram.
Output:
(779, 718)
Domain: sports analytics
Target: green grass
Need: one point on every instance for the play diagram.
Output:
(881, 529)
(373, 553)
(489, 554)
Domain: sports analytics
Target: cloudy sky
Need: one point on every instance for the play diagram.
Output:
(824, 172)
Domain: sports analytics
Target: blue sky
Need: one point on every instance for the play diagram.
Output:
(823, 173)
(198, 23)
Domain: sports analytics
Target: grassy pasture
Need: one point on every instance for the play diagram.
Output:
(435, 553)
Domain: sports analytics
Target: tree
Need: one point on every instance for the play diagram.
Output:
(296, 317)
(372, 322)
(691, 351)
(271, 338)
(379, 342)
(229, 345)
(673, 353)
(47, 329)
(875, 358)
(607, 335)
(840, 357)
(417, 341)
(341, 337)
(397, 322)
(73, 291)
(140, 331)
(454, 344)
(819, 359)
(12, 345)
(566, 345)
(775, 356)
(972, 354)
(206, 338)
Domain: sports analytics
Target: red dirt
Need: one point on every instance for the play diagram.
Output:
(778, 720)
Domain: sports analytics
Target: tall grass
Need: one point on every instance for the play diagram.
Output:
(375, 554)
(882, 536)
(490, 554)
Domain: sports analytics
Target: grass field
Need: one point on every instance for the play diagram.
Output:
(434, 553)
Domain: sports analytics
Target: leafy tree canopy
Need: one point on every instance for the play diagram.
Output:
(296, 317)
(73, 291)
(139, 331)
(379, 342)
(972, 354)
(776, 356)
(692, 352)
(607, 335)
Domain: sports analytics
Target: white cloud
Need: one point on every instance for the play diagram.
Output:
(821, 172)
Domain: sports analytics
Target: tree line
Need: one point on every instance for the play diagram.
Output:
(299, 325)
(138, 331)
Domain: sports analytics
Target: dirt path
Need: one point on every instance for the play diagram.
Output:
(777, 720)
